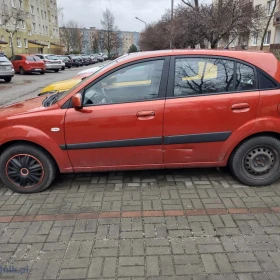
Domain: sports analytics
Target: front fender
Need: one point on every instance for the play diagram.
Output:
(34, 135)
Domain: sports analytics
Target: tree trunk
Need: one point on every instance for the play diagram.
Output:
(268, 23)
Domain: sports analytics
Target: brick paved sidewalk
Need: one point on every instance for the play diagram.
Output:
(155, 225)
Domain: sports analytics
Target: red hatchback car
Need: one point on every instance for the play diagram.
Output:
(163, 109)
(25, 63)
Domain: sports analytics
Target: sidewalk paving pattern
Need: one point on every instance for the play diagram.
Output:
(196, 224)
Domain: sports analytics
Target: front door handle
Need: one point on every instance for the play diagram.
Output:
(142, 114)
(240, 107)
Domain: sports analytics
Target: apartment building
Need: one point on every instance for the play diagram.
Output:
(37, 32)
(272, 35)
(87, 36)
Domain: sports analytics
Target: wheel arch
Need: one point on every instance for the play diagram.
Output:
(14, 142)
(266, 133)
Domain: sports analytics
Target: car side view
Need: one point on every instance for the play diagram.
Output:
(151, 110)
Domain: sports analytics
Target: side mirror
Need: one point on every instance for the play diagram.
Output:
(77, 101)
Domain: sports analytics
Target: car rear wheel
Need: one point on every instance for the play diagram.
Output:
(63, 68)
(7, 80)
(56, 70)
(256, 162)
(21, 70)
(42, 72)
(25, 168)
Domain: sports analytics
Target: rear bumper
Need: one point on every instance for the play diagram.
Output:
(53, 66)
(35, 69)
(6, 76)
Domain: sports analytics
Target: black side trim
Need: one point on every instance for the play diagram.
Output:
(114, 144)
(197, 138)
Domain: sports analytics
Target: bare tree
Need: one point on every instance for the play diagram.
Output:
(71, 36)
(271, 15)
(109, 38)
(12, 17)
(94, 42)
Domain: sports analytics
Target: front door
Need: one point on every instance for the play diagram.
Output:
(210, 102)
(122, 120)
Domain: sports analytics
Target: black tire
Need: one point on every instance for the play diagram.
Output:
(56, 70)
(21, 71)
(63, 68)
(37, 158)
(7, 80)
(42, 72)
(256, 162)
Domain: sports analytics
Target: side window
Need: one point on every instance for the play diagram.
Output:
(138, 82)
(265, 82)
(195, 76)
(245, 77)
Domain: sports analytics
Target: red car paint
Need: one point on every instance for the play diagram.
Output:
(28, 63)
(241, 114)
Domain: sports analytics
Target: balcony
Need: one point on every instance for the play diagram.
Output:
(276, 19)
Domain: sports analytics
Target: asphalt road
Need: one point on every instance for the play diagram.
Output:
(28, 86)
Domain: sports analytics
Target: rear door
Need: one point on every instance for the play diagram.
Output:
(211, 101)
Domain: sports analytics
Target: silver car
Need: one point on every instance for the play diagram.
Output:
(52, 62)
(6, 69)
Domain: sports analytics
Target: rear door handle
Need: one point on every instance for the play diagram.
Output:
(240, 107)
(142, 114)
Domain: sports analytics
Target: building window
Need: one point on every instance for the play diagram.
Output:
(42, 13)
(267, 38)
(20, 4)
(52, 18)
(22, 24)
(25, 43)
(29, 32)
(47, 30)
(19, 42)
(255, 39)
(270, 6)
(34, 27)
(13, 3)
(32, 10)
(45, 13)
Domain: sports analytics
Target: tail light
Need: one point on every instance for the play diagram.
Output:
(46, 61)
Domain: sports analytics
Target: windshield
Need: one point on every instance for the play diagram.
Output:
(52, 57)
(33, 58)
(57, 97)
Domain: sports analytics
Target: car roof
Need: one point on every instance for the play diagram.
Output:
(263, 60)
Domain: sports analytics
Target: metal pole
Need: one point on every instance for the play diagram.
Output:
(141, 20)
(171, 30)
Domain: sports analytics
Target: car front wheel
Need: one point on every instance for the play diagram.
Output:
(26, 168)
(256, 162)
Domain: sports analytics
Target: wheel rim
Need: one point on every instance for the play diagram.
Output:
(24, 171)
(260, 162)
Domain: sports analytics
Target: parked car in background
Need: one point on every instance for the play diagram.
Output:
(66, 60)
(26, 63)
(62, 86)
(52, 62)
(81, 61)
(86, 59)
(6, 69)
(100, 57)
(74, 60)
(105, 56)
(94, 59)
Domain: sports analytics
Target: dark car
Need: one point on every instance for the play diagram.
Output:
(94, 59)
(74, 60)
(86, 59)
(68, 62)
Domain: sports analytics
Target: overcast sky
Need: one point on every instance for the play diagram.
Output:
(89, 12)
